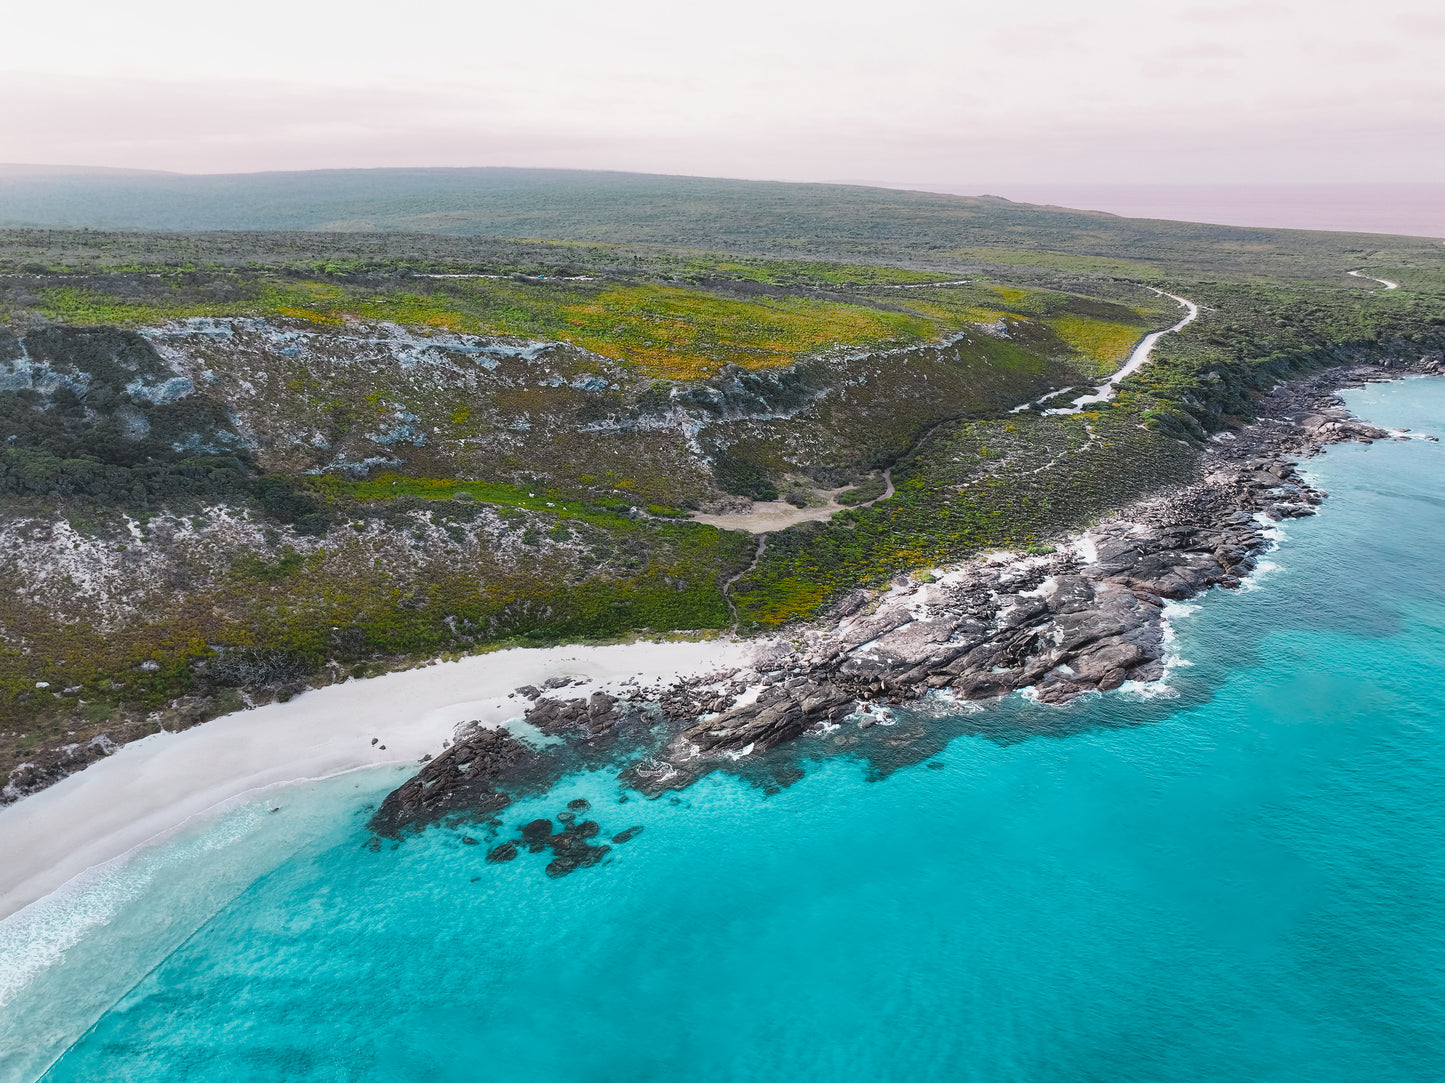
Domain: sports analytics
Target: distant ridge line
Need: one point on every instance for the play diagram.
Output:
(31, 169)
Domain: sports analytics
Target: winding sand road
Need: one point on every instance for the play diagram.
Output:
(1106, 391)
(1382, 281)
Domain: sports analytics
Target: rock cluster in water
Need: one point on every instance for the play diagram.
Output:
(571, 848)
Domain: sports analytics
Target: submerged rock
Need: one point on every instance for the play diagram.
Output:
(505, 852)
(537, 835)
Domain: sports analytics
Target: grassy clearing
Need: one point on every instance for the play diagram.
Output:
(802, 272)
(1104, 343)
(661, 329)
(681, 334)
(1014, 257)
(670, 332)
(83, 306)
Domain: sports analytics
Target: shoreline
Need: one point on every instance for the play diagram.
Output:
(1091, 616)
(150, 788)
(981, 630)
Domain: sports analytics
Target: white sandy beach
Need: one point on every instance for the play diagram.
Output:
(151, 787)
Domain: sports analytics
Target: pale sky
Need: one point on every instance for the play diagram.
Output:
(926, 92)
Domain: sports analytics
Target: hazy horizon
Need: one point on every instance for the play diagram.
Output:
(1129, 92)
(1404, 208)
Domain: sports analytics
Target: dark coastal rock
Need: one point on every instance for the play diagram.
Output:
(505, 852)
(1167, 574)
(780, 714)
(538, 835)
(463, 779)
(570, 847)
(1073, 623)
(691, 698)
(591, 716)
(627, 835)
(572, 860)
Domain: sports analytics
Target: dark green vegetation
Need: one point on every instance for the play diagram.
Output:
(98, 418)
(236, 462)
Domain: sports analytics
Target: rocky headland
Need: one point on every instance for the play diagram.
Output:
(1089, 616)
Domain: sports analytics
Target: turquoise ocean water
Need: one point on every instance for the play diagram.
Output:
(1242, 878)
